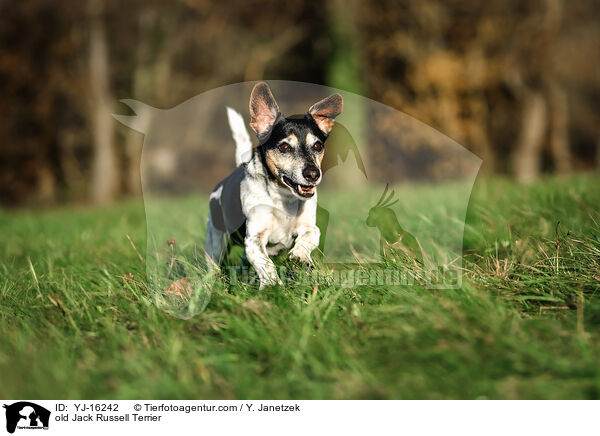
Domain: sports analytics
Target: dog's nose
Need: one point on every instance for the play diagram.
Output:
(311, 174)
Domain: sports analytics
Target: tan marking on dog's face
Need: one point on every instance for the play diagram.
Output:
(311, 140)
(292, 140)
(275, 160)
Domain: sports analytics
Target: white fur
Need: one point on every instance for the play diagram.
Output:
(243, 144)
(216, 194)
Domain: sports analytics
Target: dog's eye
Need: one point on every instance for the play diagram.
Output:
(318, 146)
(284, 147)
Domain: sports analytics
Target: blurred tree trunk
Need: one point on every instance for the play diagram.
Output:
(527, 159)
(46, 192)
(545, 110)
(142, 86)
(598, 152)
(477, 134)
(105, 170)
(345, 71)
(557, 99)
(151, 79)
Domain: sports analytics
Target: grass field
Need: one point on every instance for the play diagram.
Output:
(78, 321)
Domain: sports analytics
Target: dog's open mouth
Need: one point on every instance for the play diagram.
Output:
(302, 190)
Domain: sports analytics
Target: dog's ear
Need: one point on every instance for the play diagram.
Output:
(263, 109)
(325, 111)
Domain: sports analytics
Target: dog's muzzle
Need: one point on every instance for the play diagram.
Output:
(305, 191)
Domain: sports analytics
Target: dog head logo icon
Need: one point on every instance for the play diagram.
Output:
(26, 415)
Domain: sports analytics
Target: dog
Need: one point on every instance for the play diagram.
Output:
(269, 202)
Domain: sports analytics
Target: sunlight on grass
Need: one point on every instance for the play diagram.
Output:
(78, 319)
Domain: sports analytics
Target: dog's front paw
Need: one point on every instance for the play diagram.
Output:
(301, 256)
(269, 282)
(269, 278)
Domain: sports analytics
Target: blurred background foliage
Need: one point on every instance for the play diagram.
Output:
(516, 82)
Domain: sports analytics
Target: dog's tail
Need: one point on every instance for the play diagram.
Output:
(243, 145)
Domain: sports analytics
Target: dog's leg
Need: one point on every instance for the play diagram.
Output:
(257, 236)
(306, 241)
(257, 255)
(216, 245)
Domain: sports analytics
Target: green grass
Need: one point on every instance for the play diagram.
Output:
(77, 319)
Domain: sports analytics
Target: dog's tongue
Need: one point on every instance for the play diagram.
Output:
(306, 189)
